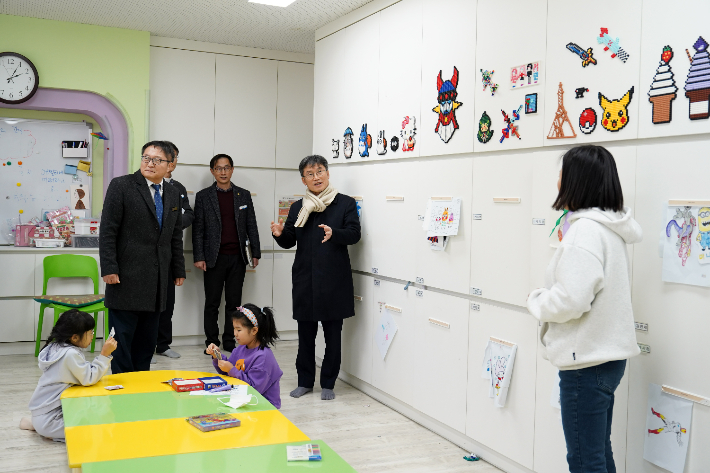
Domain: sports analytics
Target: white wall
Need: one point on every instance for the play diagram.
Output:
(503, 254)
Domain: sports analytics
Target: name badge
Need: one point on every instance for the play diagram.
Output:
(174, 209)
(242, 207)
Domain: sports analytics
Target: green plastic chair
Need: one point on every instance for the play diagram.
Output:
(71, 266)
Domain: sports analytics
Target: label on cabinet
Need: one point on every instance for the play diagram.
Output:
(645, 348)
(538, 221)
(475, 306)
(476, 291)
(419, 293)
(377, 282)
(420, 218)
(641, 327)
(420, 280)
(375, 271)
(478, 216)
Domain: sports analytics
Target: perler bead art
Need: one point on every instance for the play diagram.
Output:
(488, 82)
(557, 130)
(697, 86)
(663, 89)
(588, 121)
(585, 55)
(616, 114)
(510, 128)
(485, 132)
(579, 92)
(612, 44)
(447, 124)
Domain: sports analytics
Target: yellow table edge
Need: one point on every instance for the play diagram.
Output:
(140, 439)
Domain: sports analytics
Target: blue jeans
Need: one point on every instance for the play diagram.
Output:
(587, 399)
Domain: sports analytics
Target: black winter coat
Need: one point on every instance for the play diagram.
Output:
(132, 246)
(207, 227)
(321, 274)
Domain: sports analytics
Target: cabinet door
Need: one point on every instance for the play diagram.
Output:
(260, 182)
(442, 324)
(283, 285)
(508, 430)
(194, 178)
(258, 283)
(294, 117)
(356, 181)
(22, 279)
(245, 110)
(18, 320)
(394, 375)
(188, 316)
(500, 242)
(182, 101)
(358, 341)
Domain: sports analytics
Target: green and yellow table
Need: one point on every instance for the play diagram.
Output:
(147, 419)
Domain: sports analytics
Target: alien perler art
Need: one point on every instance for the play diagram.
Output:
(488, 81)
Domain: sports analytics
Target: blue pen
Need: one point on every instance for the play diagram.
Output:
(221, 388)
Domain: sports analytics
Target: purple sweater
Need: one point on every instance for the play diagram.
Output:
(258, 368)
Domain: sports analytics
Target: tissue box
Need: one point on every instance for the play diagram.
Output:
(23, 233)
(86, 226)
(184, 385)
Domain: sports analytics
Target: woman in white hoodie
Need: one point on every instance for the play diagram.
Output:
(585, 308)
(63, 364)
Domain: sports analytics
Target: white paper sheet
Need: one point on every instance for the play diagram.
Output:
(442, 217)
(667, 429)
(385, 332)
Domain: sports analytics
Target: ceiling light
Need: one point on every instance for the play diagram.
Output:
(274, 3)
(11, 121)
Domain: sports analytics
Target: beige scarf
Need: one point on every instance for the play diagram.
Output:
(315, 203)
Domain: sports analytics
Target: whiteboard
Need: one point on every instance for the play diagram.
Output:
(37, 145)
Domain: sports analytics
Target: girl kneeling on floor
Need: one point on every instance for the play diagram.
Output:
(252, 360)
(64, 365)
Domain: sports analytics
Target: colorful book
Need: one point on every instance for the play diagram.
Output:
(209, 422)
(308, 452)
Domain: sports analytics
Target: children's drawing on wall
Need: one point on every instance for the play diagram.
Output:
(697, 86)
(557, 131)
(408, 132)
(336, 149)
(438, 243)
(668, 421)
(381, 143)
(486, 77)
(385, 332)
(364, 143)
(616, 113)
(447, 124)
(684, 259)
(525, 75)
(612, 44)
(79, 197)
(394, 143)
(348, 143)
(485, 132)
(285, 204)
(663, 89)
(531, 103)
(511, 129)
(588, 121)
(585, 55)
(498, 363)
(442, 217)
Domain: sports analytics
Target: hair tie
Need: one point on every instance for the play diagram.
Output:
(250, 315)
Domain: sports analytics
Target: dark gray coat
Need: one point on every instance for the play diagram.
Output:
(321, 274)
(207, 227)
(132, 246)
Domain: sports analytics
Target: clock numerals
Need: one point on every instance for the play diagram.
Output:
(10, 60)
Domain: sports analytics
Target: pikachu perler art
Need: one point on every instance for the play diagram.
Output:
(616, 115)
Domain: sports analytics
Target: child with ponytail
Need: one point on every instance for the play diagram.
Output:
(252, 360)
(63, 364)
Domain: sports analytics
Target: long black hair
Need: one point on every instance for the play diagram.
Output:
(70, 323)
(589, 179)
(267, 333)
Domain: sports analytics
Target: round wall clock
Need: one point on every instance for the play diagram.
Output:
(18, 78)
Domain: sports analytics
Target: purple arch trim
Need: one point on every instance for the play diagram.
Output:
(101, 109)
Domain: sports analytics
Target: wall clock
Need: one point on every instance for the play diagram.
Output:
(18, 78)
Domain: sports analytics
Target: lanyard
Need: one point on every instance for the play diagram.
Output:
(557, 223)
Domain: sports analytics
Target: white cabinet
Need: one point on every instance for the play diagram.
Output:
(182, 98)
(395, 374)
(258, 283)
(283, 285)
(19, 277)
(508, 430)
(260, 182)
(441, 357)
(500, 242)
(294, 117)
(356, 181)
(358, 344)
(188, 316)
(17, 320)
(194, 178)
(245, 110)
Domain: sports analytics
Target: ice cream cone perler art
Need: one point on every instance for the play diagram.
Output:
(663, 89)
(697, 86)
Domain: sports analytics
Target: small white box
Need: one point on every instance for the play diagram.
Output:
(86, 226)
(75, 152)
(49, 242)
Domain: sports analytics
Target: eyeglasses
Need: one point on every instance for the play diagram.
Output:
(310, 176)
(155, 161)
(223, 169)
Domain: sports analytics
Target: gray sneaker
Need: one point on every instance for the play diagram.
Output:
(153, 360)
(170, 353)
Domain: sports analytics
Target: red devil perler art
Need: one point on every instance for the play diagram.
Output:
(447, 125)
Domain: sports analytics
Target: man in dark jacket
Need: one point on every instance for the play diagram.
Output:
(224, 227)
(165, 327)
(323, 224)
(140, 243)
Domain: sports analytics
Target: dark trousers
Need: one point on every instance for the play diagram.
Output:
(136, 334)
(587, 399)
(228, 273)
(306, 358)
(165, 326)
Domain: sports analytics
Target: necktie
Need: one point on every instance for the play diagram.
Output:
(158, 205)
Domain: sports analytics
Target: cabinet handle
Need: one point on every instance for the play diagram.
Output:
(506, 200)
(358, 298)
(393, 308)
(440, 323)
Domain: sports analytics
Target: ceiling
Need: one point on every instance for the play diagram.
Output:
(235, 22)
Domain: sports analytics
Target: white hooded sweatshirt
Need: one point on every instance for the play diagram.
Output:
(585, 306)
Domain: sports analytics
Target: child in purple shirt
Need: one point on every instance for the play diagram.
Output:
(252, 360)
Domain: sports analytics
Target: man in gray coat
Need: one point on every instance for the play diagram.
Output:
(139, 242)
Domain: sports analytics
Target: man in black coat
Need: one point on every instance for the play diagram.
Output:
(323, 224)
(225, 225)
(140, 242)
(165, 326)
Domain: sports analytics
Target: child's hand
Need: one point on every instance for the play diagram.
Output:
(109, 346)
(225, 366)
(210, 349)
